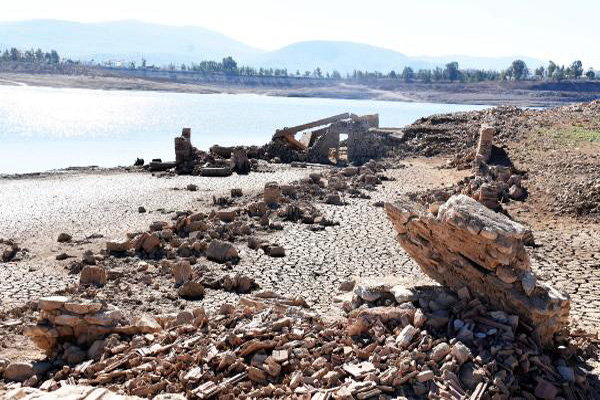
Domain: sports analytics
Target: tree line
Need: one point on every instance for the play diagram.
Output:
(31, 56)
(451, 72)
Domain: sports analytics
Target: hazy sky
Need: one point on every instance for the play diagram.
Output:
(556, 29)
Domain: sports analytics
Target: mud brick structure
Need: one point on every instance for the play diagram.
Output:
(468, 245)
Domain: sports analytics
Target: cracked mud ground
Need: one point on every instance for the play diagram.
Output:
(362, 245)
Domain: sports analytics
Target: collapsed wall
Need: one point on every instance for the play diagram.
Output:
(467, 244)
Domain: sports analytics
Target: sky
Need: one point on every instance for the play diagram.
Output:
(550, 29)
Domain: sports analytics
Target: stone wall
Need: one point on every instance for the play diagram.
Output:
(466, 244)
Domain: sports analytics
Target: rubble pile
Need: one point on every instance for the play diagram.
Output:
(564, 173)
(495, 179)
(74, 330)
(425, 342)
(466, 244)
(457, 134)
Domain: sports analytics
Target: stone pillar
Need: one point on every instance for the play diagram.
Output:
(184, 151)
(486, 140)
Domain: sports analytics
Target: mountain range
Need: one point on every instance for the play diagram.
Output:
(162, 44)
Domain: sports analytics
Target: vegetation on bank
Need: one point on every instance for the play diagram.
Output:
(575, 133)
(517, 71)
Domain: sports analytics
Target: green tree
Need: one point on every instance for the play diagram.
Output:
(229, 65)
(452, 72)
(408, 74)
(551, 69)
(336, 75)
(590, 74)
(518, 70)
(539, 72)
(576, 69)
(559, 74)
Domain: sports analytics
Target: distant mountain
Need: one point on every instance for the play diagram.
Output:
(161, 45)
(123, 40)
(341, 56)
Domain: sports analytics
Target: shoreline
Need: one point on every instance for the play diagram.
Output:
(523, 94)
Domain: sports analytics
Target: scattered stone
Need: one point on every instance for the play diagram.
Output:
(64, 238)
(221, 252)
(191, 290)
(92, 275)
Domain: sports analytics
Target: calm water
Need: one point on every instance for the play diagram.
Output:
(44, 128)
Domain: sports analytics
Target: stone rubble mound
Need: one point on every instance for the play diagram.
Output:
(464, 244)
(412, 342)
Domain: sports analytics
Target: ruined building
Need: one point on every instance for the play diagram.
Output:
(321, 140)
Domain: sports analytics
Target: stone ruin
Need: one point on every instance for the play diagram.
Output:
(465, 244)
(320, 142)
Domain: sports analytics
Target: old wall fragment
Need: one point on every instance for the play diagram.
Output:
(467, 244)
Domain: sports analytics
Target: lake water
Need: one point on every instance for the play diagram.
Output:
(45, 128)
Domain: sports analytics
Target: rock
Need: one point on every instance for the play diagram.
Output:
(184, 318)
(528, 282)
(425, 376)
(191, 290)
(406, 336)
(347, 285)
(220, 251)
(334, 199)
(567, 373)
(402, 294)
(439, 352)
(276, 251)
(516, 192)
(182, 272)
(92, 275)
(96, 349)
(226, 215)
(62, 256)
(460, 352)
(272, 194)
(83, 308)
(506, 274)
(468, 376)
(236, 192)
(191, 187)
(146, 324)
(545, 390)
(51, 303)
(118, 246)
(74, 355)
(88, 258)
(151, 243)
(64, 238)
(19, 371)
(371, 290)
(141, 209)
(104, 318)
